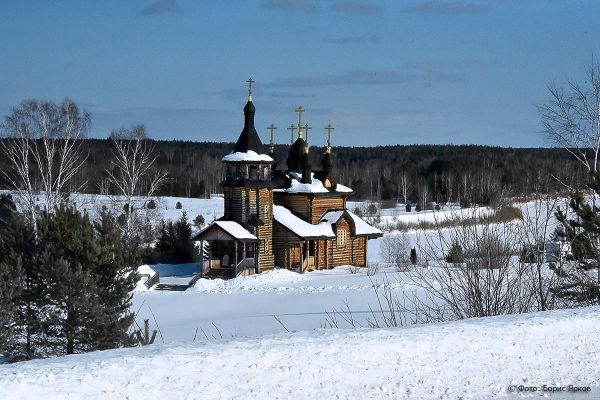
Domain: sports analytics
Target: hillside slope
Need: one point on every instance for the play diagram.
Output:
(474, 359)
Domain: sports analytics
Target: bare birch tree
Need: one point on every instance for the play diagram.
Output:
(405, 186)
(42, 142)
(133, 173)
(571, 117)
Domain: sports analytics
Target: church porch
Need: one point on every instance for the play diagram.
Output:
(230, 250)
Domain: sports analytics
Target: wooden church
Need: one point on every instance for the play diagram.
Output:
(294, 218)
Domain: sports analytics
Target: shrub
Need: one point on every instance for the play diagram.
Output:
(394, 249)
(508, 213)
(408, 207)
(372, 268)
(151, 204)
(464, 203)
(456, 254)
(418, 207)
(437, 207)
(372, 210)
(413, 256)
(530, 255)
(353, 269)
(358, 212)
(199, 221)
(178, 205)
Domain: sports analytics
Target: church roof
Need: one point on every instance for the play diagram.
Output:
(315, 186)
(249, 139)
(231, 228)
(249, 155)
(300, 227)
(361, 227)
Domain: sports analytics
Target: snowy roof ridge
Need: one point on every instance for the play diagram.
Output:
(231, 227)
(249, 155)
(300, 227)
(361, 227)
(315, 186)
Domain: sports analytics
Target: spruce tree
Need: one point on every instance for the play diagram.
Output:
(68, 256)
(581, 281)
(8, 291)
(90, 273)
(21, 288)
(7, 209)
(116, 276)
(182, 241)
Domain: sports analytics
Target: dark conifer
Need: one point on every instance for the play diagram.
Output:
(21, 288)
(582, 283)
(89, 275)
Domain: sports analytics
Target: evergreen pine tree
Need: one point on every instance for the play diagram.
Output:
(582, 282)
(8, 291)
(7, 209)
(116, 276)
(21, 288)
(67, 260)
(182, 239)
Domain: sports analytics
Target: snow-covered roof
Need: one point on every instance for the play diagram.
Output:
(232, 228)
(343, 189)
(315, 186)
(361, 227)
(250, 155)
(300, 227)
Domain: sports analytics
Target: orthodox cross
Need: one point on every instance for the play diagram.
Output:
(329, 128)
(306, 128)
(250, 82)
(271, 127)
(292, 128)
(300, 110)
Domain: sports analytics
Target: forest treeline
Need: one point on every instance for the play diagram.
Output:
(415, 173)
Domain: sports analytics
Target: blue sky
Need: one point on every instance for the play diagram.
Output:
(382, 72)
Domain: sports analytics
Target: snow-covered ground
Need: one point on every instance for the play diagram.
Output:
(470, 359)
(230, 339)
(246, 306)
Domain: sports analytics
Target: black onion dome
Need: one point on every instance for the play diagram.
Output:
(327, 162)
(249, 108)
(249, 139)
(305, 161)
(294, 160)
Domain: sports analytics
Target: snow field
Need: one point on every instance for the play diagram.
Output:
(469, 359)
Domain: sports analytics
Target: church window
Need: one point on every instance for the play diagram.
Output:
(342, 237)
(254, 172)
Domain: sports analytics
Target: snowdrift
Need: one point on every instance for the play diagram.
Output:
(471, 359)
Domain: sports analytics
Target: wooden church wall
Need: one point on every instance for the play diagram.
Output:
(283, 239)
(236, 199)
(360, 251)
(321, 204)
(298, 203)
(264, 207)
(342, 252)
(355, 249)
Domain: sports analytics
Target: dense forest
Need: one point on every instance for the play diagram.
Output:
(415, 173)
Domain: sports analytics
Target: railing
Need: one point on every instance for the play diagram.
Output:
(195, 279)
(247, 264)
(153, 280)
